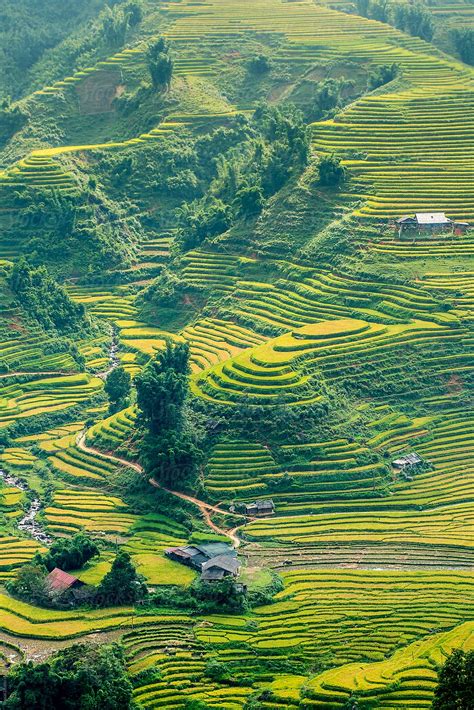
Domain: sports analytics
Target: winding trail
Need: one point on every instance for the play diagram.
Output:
(205, 508)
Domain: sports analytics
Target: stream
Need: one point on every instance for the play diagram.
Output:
(28, 523)
(114, 360)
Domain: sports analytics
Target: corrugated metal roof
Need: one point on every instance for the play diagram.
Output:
(407, 459)
(225, 562)
(432, 218)
(59, 581)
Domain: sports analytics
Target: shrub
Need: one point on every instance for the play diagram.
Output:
(331, 171)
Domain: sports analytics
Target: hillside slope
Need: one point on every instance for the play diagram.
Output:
(324, 344)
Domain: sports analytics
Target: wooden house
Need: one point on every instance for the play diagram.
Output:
(196, 556)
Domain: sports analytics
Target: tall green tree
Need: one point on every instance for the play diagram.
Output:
(160, 64)
(162, 388)
(122, 585)
(455, 689)
(169, 448)
(117, 388)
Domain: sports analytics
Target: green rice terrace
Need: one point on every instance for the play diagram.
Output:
(237, 348)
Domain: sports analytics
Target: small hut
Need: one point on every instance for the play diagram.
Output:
(407, 462)
(260, 508)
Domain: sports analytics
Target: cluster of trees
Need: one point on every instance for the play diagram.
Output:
(12, 119)
(331, 171)
(169, 448)
(382, 75)
(277, 147)
(412, 17)
(44, 299)
(455, 689)
(117, 19)
(328, 97)
(79, 677)
(222, 596)
(78, 233)
(70, 553)
(463, 39)
(160, 64)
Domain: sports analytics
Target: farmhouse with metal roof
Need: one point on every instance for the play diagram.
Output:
(220, 567)
(59, 581)
(197, 555)
(429, 221)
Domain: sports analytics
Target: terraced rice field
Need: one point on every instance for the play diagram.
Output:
(45, 395)
(280, 371)
(380, 588)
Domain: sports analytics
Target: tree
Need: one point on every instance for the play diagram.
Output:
(260, 64)
(382, 75)
(250, 200)
(134, 12)
(122, 585)
(162, 388)
(331, 172)
(30, 583)
(455, 689)
(117, 388)
(80, 677)
(169, 449)
(160, 64)
(201, 220)
(70, 553)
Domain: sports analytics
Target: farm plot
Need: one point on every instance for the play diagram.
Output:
(77, 466)
(307, 474)
(356, 615)
(75, 510)
(21, 619)
(14, 551)
(111, 432)
(307, 297)
(22, 347)
(347, 350)
(212, 340)
(43, 395)
(407, 679)
(450, 525)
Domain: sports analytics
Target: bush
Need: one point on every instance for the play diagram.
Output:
(331, 171)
